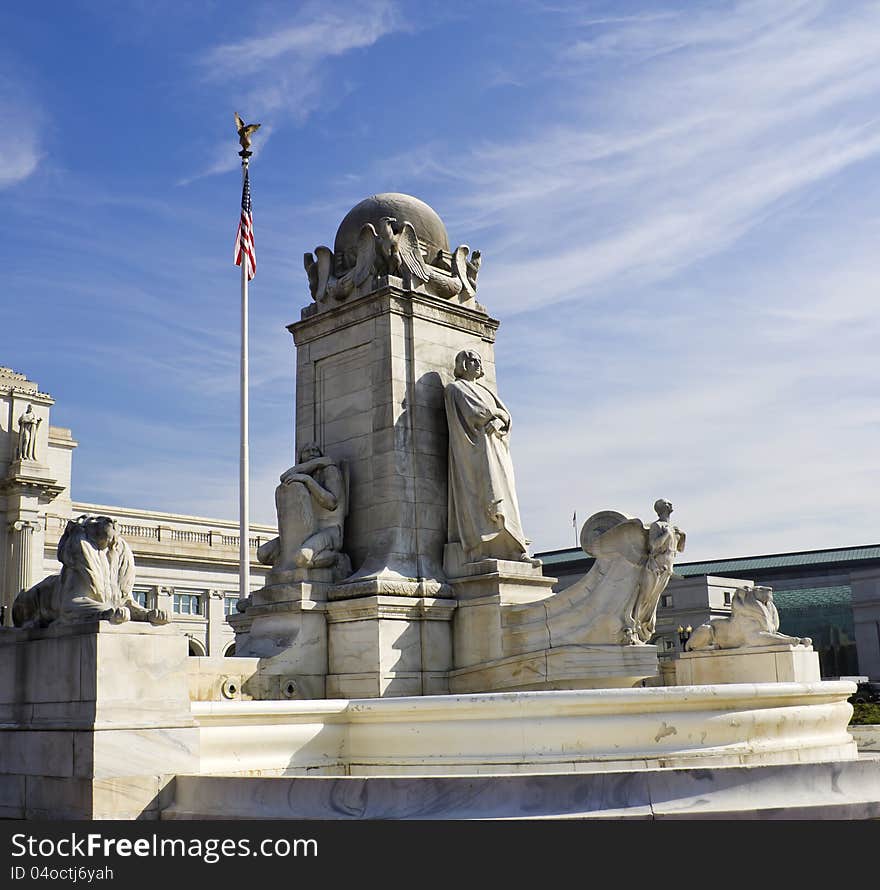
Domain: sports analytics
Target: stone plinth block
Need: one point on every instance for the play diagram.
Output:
(383, 646)
(369, 390)
(568, 667)
(765, 664)
(95, 718)
(219, 678)
(286, 629)
(484, 590)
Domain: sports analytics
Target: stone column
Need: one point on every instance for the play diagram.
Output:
(21, 566)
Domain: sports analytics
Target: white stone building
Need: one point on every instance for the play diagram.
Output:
(187, 565)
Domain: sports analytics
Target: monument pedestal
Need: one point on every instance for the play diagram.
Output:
(370, 373)
(483, 590)
(285, 626)
(565, 667)
(95, 720)
(751, 664)
(389, 646)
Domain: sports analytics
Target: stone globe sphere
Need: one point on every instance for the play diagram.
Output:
(404, 208)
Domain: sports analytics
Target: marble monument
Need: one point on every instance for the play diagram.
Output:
(400, 579)
(402, 565)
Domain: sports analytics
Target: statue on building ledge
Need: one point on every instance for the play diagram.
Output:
(28, 425)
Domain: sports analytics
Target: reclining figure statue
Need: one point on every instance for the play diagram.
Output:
(95, 582)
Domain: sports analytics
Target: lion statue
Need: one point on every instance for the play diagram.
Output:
(95, 582)
(754, 621)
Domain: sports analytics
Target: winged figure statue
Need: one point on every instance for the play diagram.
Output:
(616, 601)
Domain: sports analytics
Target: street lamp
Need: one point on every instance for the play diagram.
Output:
(684, 634)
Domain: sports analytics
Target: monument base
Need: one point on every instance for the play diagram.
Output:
(483, 590)
(567, 667)
(389, 646)
(285, 626)
(753, 664)
(95, 720)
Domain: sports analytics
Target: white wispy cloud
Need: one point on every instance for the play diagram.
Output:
(726, 113)
(740, 395)
(318, 33)
(281, 71)
(226, 160)
(21, 139)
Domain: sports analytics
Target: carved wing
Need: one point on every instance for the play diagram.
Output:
(460, 266)
(473, 267)
(325, 267)
(239, 123)
(365, 265)
(311, 268)
(628, 540)
(410, 254)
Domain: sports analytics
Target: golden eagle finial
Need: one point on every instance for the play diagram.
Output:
(245, 131)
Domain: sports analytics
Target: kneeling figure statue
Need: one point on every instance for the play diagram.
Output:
(312, 502)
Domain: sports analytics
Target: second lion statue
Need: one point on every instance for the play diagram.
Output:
(754, 621)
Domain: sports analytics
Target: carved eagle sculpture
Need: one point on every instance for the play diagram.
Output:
(467, 269)
(319, 268)
(245, 131)
(402, 253)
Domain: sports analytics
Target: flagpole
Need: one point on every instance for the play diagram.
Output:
(244, 550)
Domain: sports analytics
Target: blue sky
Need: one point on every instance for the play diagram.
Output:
(678, 206)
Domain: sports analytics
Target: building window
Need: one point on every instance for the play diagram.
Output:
(187, 603)
(229, 605)
(727, 596)
(143, 597)
(668, 644)
(666, 601)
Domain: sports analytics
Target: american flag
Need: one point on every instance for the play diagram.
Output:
(244, 237)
